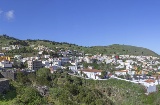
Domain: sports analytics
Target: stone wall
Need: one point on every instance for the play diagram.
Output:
(4, 85)
(9, 74)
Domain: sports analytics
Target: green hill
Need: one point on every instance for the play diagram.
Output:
(122, 49)
(111, 49)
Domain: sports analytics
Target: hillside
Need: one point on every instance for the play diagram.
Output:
(111, 49)
(122, 49)
(125, 93)
(70, 90)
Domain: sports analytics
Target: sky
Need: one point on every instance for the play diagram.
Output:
(84, 22)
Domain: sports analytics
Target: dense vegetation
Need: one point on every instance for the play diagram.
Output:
(70, 90)
(111, 49)
(122, 49)
(63, 90)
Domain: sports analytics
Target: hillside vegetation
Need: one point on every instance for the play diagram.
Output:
(111, 49)
(70, 90)
(63, 90)
(122, 49)
(124, 93)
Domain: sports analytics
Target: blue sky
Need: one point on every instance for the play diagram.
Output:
(84, 22)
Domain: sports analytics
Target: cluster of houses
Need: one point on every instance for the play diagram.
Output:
(142, 70)
(11, 47)
(136, 69)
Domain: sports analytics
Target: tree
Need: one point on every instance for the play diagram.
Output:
(100, 102)
(157, 77)
(29, 96)
(25, 64)
(32, 77)
(45, 53)
(77, 81)
(22, 78)
(43, 76)
(103, 74)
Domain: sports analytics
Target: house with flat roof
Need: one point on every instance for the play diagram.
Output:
(91, 73)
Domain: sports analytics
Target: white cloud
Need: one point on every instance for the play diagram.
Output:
(1, 11)
(9, 15)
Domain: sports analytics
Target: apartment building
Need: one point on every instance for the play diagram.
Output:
(34, 64)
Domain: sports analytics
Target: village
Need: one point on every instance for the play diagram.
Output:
(143, 70)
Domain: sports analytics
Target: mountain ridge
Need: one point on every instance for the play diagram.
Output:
(117, 49)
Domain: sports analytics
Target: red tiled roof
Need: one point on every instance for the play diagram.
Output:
(150, 80)
(122, 71)
(91, 70)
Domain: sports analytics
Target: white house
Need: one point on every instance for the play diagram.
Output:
(108, 61)
(46, 56)
(128, 67)
(46, 64)
(131, 72)
(40, 52)
(24, 59)
(73, 68)
(15, 47)
(57, 62)
(150, 85)
(87, 59)
(124, 72)
(40, 48)
(121, 72)
(5, 48)
(120, 66)
(91, 73)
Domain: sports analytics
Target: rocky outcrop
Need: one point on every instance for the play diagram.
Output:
(9, 74)
(4, 85)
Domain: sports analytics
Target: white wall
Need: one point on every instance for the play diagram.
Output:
(151, 89)
(120, 73)
(92, 75)
(46, 63)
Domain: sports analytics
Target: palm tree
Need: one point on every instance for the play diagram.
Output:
(138, 70)
(157, 77)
